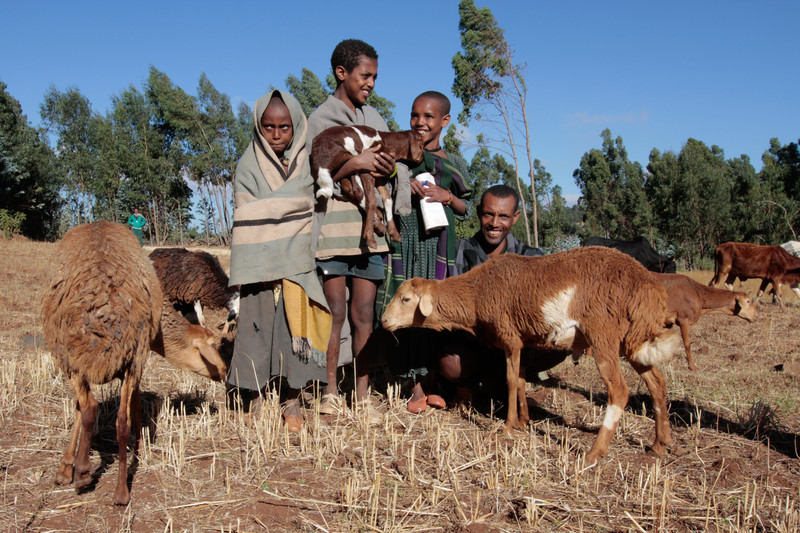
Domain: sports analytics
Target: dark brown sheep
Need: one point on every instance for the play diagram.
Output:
(194, 278)
(585, 297)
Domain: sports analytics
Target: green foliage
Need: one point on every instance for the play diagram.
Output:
(482, 61)
(29, 183)
(69, 115)
(11, 222)
(450, 142)
(308, 90)
(612, 189)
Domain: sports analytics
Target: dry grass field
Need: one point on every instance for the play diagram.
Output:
(734, 465)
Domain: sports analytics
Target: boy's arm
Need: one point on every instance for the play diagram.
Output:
(372, 160)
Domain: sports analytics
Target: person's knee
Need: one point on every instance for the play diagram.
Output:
(362, 314)
(450, 367)
(338, 313)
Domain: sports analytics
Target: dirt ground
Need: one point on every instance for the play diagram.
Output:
(203, 467)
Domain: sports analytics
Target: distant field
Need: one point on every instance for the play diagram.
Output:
(734, 465)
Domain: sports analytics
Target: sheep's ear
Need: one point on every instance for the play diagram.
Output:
(426, 304)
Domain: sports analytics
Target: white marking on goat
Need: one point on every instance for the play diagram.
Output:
(388, 208)
(363, 203)
(613, 414)
(659, 350)
(555, 312)
(350, 145)
(325, 183)
(657, 410)
(198, 309)
(366, 142)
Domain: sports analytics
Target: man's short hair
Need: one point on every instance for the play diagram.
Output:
(442, 100)
(347, 53)
(500, 191)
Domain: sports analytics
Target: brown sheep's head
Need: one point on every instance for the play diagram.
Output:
(199, 354)
(745, 307)
(411, 305)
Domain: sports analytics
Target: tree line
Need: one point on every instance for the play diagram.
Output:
(173, 155)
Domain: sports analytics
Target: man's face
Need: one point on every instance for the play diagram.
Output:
(497, 215)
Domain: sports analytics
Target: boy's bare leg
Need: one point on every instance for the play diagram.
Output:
(362, 311)
(335, 289)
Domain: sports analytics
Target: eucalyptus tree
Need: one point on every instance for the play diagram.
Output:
(613, 193)
(29, 183)
(68, 114)
(150, 160)
(493, 91)
(778, 178)
(308, 90)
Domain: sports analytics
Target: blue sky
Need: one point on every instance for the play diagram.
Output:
(654, 73)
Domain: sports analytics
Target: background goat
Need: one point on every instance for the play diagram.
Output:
(688, 300)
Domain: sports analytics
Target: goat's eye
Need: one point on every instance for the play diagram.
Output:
(405, 299)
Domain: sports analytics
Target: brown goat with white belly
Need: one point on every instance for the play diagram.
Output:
(102, 313)
(333, 147)
(688, 300)
(584, 297)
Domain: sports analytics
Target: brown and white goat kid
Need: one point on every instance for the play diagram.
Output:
(585, 297)
(333, 147)
(688, 300)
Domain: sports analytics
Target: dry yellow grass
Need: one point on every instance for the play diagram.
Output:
(734, 465)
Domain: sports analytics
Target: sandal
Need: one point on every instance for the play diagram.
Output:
(434, 400)
(417, 406)
(330, 404)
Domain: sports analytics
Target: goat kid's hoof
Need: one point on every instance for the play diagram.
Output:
(293, 423)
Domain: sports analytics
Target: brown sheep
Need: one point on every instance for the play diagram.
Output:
(583, 297)
(688, 300)
(194, 278)
(102, 313)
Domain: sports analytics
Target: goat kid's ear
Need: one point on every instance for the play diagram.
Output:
(426, 304)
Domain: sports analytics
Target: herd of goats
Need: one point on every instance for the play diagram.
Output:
(108, 305)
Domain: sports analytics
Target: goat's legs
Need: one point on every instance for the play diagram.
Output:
(128, 396)
(658, 393)
(687, 343)
(64, 476)
(607, 360)
(524, 416)
(82, 474)
(388, 207)
(512, 380)
(370, 208)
